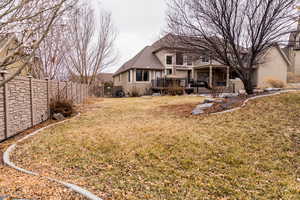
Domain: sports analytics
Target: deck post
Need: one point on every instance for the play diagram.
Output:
(193, 74)
(210, 76)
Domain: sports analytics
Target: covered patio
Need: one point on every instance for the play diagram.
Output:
(213, 75)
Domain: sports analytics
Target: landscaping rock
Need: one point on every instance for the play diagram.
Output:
(258, 91)
(204, 106)
(272, 89)
(200, 108)
(156, 94)
(242, 92)
(197, 111)
(58, 116)
(210, 100)
(228, 95)
(204, 95)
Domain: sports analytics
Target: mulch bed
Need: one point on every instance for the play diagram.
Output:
(185, 110)
(227, 104)
(231, 103)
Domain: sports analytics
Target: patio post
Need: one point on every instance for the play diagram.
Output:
(193, 74)
(210, 76)
(228, 77)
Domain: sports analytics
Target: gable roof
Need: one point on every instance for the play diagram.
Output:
(145, 59)
(105, 77)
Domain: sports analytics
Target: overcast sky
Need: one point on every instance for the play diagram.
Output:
(139, 23)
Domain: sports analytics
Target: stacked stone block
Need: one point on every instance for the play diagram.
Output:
(24, 102)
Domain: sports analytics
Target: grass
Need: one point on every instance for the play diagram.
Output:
(135, 149)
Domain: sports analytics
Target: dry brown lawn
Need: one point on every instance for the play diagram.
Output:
(137, 149)
(17, 185)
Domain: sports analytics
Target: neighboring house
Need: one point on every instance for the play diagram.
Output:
(293, 51)
(100, 79)
(172, 61)
(104, 78)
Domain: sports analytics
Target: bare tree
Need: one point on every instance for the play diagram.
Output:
(27, 22)
(51, 52)
(91, 44)
(236, 33)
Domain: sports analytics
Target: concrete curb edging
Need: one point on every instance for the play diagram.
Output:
(252, 98)
(75, 188)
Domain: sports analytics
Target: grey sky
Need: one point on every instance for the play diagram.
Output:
(139, 23)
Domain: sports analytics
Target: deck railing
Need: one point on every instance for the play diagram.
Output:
(177, 82)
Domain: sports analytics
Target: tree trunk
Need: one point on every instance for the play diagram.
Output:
(248, 86)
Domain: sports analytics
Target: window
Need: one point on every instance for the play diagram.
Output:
(129, 76)
(189, 60)
(205, 59)
(179, 59)
(158, 74)
(142, 75)
(169, 71)
(169, 60)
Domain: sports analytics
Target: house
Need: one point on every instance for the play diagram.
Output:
(293, 51)
(104, 78)
(162, 60)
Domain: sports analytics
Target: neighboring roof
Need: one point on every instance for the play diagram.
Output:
(145, 59)
(286, 50)
(105, 77)
(282, 52)
(284, 55)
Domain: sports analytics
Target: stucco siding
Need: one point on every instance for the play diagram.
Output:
(297, 63)
(128, 87)
(161, 55)
(182, 73)
(274, 67)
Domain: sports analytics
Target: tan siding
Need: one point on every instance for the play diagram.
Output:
(297, 62)
(274, 67)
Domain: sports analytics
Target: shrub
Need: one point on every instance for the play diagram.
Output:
(64, 106)
(134, 92)
(293, 78)
(275, 83)
(173, 91)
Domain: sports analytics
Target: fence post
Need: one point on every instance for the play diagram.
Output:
(71, 95)
(58, 91)
(5, 104)
(48, 96)
(80, 93)
(76, 93)
(66, 90)
(31, 100)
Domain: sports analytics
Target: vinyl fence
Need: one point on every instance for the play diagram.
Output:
(24, 102)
